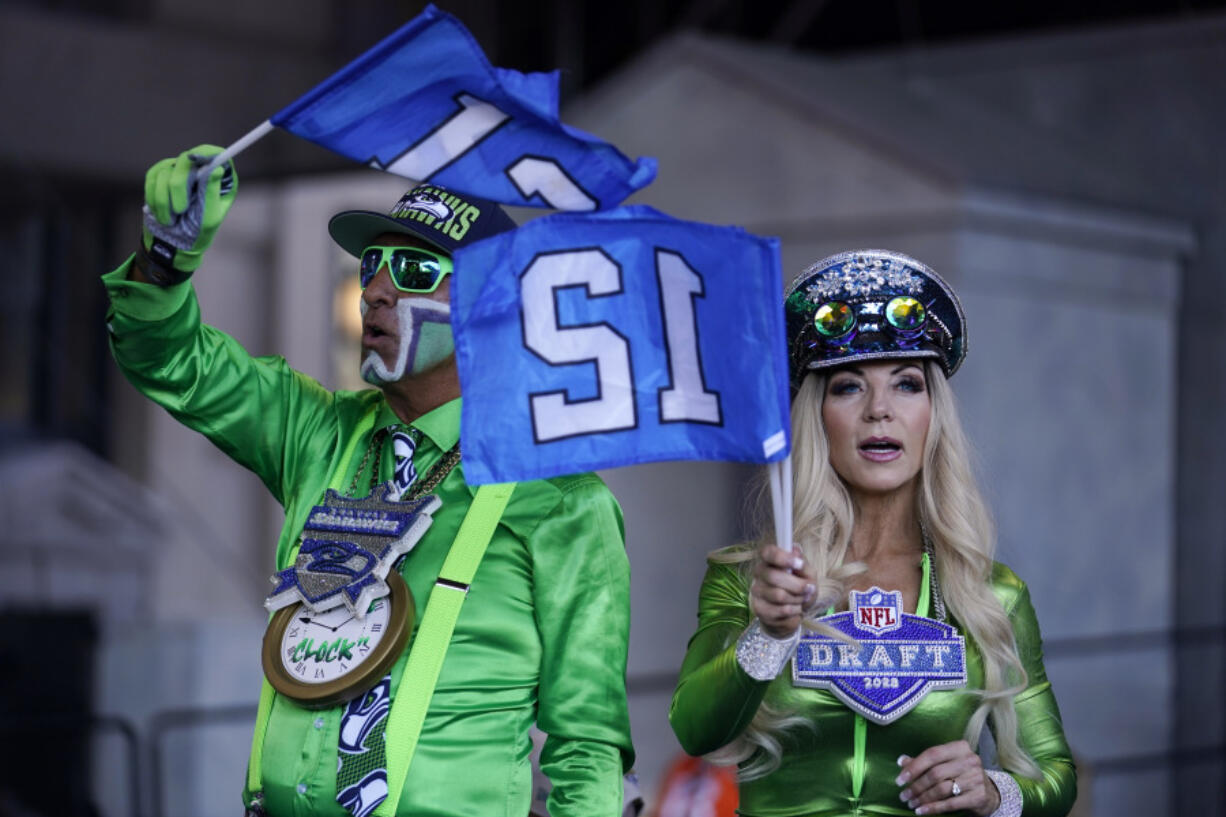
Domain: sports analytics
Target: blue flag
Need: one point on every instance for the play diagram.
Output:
(592, 341)
(425, 103)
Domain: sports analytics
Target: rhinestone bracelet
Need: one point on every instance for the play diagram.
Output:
(1010, 794)
(762, 656)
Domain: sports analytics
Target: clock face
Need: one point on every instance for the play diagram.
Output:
(318, 648)
(324, 659)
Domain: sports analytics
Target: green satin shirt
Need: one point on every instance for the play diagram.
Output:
(846, 765)
(543, 632)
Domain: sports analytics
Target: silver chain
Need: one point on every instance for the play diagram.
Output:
(934, 584)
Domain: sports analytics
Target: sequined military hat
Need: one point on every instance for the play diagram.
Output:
(872, 305)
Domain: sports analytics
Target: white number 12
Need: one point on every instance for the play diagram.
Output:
(554, 415)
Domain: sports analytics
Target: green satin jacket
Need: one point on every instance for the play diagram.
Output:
(846, 765)
(543, 632)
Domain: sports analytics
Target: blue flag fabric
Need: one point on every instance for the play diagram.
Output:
(591, 341)
(426, 103)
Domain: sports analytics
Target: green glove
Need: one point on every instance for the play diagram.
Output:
(181, 213)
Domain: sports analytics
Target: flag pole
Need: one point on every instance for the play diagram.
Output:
(772, 471)
(781, 500)
(254, 135)
(785, 468)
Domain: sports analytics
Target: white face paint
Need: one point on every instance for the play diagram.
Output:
(424, 329)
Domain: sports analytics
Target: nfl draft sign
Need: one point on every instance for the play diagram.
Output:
(889, 661)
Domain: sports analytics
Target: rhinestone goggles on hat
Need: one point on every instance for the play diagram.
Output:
(871, 305)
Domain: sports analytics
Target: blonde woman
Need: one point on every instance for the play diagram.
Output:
(854, 673)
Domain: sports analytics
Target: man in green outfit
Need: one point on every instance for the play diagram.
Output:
(542, 633)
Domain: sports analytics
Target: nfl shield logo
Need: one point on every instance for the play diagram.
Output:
(876, 610)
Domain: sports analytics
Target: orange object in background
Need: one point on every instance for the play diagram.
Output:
(692, 787)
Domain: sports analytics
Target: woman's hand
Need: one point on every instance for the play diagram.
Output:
(780, 589)
(930, 778)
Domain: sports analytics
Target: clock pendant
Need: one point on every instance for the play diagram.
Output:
(324, 659)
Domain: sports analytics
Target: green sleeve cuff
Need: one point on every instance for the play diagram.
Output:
(141, 301)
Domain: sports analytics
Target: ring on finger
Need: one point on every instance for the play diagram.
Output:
(955, 789)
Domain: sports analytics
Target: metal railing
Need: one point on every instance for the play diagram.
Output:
(187, 718)
(145, 760)
(70, 727)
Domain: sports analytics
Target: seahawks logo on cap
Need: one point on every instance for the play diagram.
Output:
(438, 209)
(427, 202)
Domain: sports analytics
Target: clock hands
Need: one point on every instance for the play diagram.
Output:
(309, 620)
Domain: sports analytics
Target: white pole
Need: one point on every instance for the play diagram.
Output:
(781, 500)
(772, 471)
(254, 135)
(785, 475)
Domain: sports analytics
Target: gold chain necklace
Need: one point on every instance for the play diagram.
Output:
(437, 473)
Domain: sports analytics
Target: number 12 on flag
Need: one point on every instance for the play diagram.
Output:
(626, 336)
